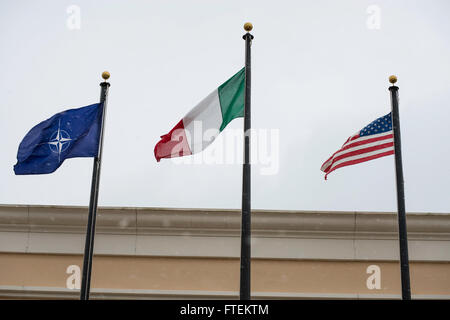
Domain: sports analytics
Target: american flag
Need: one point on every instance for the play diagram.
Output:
(374, 141)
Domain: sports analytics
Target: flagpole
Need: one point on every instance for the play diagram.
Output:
(404, 261)
(244, 292)
(90, 230)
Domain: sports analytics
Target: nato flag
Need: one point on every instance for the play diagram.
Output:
(68, 134)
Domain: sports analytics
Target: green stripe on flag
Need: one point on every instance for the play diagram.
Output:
(231, 96)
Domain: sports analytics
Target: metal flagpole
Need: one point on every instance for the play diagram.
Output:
(90, 232)
(404, 261)
(244, 292)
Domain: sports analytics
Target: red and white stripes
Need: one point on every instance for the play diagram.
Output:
(359, 149)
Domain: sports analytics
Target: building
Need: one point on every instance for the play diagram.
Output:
(156, 253)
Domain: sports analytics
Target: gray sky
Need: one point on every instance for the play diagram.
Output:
(319, 75)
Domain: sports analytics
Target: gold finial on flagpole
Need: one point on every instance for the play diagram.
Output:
(393, 79)
(105, 75)
(248, 26)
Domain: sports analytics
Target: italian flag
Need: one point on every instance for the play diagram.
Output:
(200, 127)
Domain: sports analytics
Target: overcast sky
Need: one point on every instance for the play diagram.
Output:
(320, 73)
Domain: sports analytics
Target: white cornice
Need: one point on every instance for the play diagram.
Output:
(216, 222)
(215, 233)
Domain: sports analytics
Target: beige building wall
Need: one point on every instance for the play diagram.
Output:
(155, 253)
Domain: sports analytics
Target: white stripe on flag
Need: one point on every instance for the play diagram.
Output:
(363, 146)
(368, 137)
(363, 155)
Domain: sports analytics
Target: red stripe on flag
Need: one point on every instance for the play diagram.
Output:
(348, 163)
(364, 150)
(174, 144)
(361, 142)
(355, 144)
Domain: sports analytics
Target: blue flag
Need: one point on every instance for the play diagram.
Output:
(68, 134)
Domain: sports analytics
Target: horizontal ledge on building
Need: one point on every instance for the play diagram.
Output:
(211, 233)
(223, 223)
(111, 294)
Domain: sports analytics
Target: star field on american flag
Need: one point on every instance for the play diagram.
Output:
(374, 141)
(380, 125)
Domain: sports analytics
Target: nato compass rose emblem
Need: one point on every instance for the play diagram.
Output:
(59, 141)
